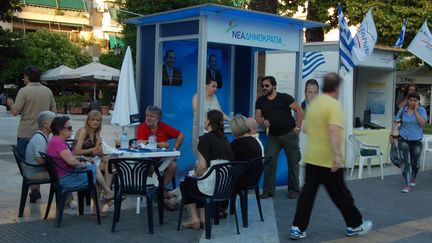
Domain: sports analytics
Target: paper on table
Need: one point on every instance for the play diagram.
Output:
(110, 150)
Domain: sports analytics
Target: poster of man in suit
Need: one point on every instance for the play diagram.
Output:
(171, 76)
(212, 72)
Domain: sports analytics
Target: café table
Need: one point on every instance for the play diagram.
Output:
(148, 154)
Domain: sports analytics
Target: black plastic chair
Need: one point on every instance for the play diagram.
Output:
(173, 180)
(130, 178)
(226, 175)
(252, 175)
(71, 143)
(61, 192)
(26, 183)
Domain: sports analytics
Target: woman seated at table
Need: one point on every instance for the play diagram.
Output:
(89, 143)
(213, 148)
(244, 146)
(59, 150)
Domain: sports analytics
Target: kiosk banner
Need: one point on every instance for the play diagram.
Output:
(236, 31)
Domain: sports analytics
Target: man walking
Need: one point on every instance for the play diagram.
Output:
(324, 162)
(273, 111)
(30, 101)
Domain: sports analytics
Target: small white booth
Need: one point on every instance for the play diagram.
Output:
(369, 99)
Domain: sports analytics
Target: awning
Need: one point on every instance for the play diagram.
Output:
(116, 42)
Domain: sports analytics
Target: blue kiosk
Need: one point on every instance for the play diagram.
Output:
(177, 50)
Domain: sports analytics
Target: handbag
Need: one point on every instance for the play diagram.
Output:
(397, 126)
(395, 156)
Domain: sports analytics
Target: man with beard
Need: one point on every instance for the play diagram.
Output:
(273, 111)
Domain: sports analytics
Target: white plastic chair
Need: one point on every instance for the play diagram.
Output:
(365, 152)
(426, 148)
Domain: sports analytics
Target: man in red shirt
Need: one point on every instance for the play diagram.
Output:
(163, 132)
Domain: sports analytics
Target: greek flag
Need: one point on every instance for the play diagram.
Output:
(346, 42)
(401, 38)
(311, 60)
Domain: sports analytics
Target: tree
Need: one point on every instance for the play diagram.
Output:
(8, 8)
(45, 50)
(111, 59)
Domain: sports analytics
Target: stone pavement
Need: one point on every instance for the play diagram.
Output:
(397, 217)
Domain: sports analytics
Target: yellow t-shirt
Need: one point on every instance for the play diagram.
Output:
(323, 111)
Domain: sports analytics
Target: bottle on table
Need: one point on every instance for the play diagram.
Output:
(152, 142)
(124, 141)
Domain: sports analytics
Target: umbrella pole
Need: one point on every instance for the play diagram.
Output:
(94, 90)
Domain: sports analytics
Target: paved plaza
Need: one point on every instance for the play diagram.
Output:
(397, 217)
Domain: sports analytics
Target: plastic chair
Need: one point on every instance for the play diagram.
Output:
(226, 175)
(130, 178)
(365, 152)
(71, 143)
(426, 148)
(252, 175)
(173, 180)
(61, 192)
(26, 183)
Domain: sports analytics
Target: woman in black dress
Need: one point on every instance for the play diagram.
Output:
(213, 148)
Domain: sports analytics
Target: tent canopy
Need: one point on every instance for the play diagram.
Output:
(93, 71)
(54, 74)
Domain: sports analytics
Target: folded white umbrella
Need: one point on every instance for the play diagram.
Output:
(126, 107)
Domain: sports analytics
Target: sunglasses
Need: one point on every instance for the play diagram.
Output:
(265, 85)
(68, 128)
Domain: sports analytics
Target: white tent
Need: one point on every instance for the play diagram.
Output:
(54, 74)
(92, 70)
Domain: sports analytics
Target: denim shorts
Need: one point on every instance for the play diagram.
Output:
(72, 180)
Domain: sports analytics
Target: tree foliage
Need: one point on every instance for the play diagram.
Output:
(45, 50)
(111, 59)
(7, 9)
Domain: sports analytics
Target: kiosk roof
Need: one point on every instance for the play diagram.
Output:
(205, 9)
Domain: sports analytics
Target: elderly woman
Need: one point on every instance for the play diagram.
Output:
(244, 146)
(213, 148)
(413, 117)
(59, 150)
(89, 143)
(38, 143)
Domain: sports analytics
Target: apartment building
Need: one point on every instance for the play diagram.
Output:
(88, 22)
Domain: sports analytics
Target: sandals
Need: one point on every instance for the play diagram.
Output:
(192, 225)
(101, 214)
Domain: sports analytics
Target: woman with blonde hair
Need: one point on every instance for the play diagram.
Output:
(89, 143)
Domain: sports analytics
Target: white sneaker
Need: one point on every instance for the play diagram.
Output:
(73, 204)
(363, 229)
(296, 234)
(70, 211)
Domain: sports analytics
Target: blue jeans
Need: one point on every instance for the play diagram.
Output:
(22, 146)
(410, 152)
(71, 180)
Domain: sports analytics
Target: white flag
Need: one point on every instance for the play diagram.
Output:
(421, 46)
(365, 39)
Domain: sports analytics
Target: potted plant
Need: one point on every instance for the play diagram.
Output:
(60, 103)
(75, 103)
(105, 102)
